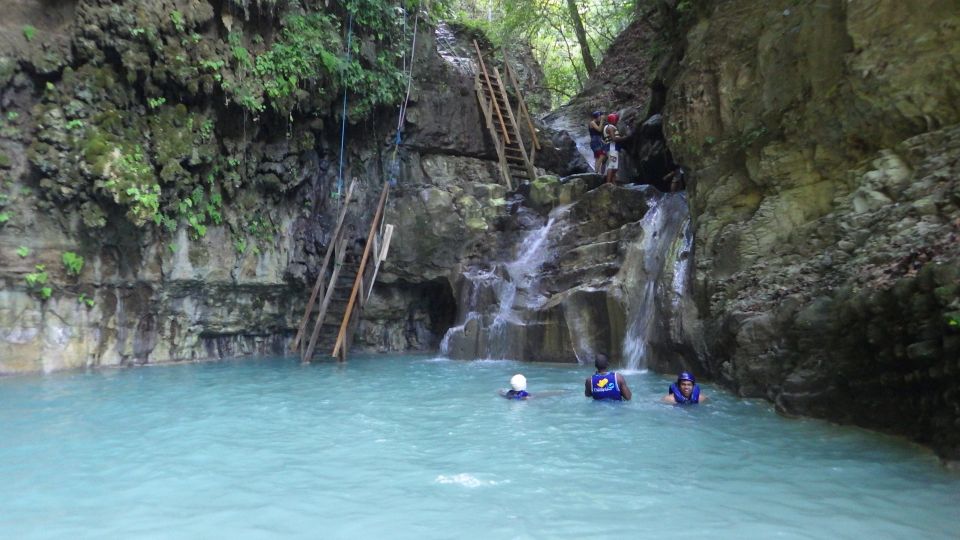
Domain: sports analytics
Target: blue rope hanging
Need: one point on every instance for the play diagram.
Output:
(343, 116)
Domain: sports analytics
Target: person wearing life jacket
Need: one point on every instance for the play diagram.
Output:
(606, 384)
(611, 140)
(518, 388)
(685, 391)
(595, 127)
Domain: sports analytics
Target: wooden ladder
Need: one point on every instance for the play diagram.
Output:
(337, 245)
(378, 242)
(515, 164)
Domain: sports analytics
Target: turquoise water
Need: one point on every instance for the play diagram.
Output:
(402, 447)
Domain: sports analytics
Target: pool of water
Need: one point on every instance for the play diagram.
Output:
(418, 447)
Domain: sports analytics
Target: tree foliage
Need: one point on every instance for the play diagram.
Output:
(550, 29)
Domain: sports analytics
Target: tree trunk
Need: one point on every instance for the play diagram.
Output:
(581, 37)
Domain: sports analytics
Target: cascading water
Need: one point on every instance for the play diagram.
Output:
(452, 52)
(475, 281)
(574, 289)
(662, 265)
(510, 287)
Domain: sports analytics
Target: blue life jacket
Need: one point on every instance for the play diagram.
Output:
(513, 394)
(604, 386)
(679, 397)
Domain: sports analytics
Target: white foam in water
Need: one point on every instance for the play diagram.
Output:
(465, 480)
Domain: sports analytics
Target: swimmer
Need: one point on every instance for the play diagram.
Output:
(518, 388)
(685, 391)
(605, 384)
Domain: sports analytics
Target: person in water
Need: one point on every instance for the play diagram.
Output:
(595, 127)
(606, 384)
(685, 391)
(518, 388)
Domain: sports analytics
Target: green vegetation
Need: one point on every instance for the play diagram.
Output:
(551, 30)
(953, 320)
(175, 166)
(73, 263)
(177, 19)
(86, 300)
(28, 32)
(307, 57)
(134, 184)
(4, 217)
(37, 282)
(23, 252)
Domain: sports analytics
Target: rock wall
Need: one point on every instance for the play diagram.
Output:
(825, 148)
(143, 138)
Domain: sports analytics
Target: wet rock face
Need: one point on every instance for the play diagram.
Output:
(574, 283)
(102, 106)
(826, 206)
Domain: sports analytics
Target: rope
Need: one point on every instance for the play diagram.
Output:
(343, 119)
(394, 163)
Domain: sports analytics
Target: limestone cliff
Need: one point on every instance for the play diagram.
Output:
(169, 177)
(823, 139)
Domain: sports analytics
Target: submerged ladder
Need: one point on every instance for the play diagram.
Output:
(515, 163)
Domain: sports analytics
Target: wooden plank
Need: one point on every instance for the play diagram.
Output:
(341, 336)
(323, 268)
(341, 253)
(523, 104)
(497, 142)
(531, 173)
(486, 76)
(381, 256)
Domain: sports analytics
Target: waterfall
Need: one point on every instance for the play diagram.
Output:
(475, 281)
(511, 286)
(662, 266)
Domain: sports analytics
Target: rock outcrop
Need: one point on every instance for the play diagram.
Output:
(824, 141)
(170, 153)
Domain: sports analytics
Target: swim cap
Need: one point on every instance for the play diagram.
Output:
(518, 382)
(612, 118)
(597, 113)
(686, 376)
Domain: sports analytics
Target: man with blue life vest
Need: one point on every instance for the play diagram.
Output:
(605, 384)
(685, 391)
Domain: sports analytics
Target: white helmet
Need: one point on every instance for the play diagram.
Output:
(518, 382)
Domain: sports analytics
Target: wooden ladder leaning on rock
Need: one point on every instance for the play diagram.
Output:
(337, 250)
(379, 242)
(338, 245)
(514, 161)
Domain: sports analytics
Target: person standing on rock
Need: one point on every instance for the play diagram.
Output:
(612, 138)
(606, 385)
(685, 391)
(595, 127)
(677, 179)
